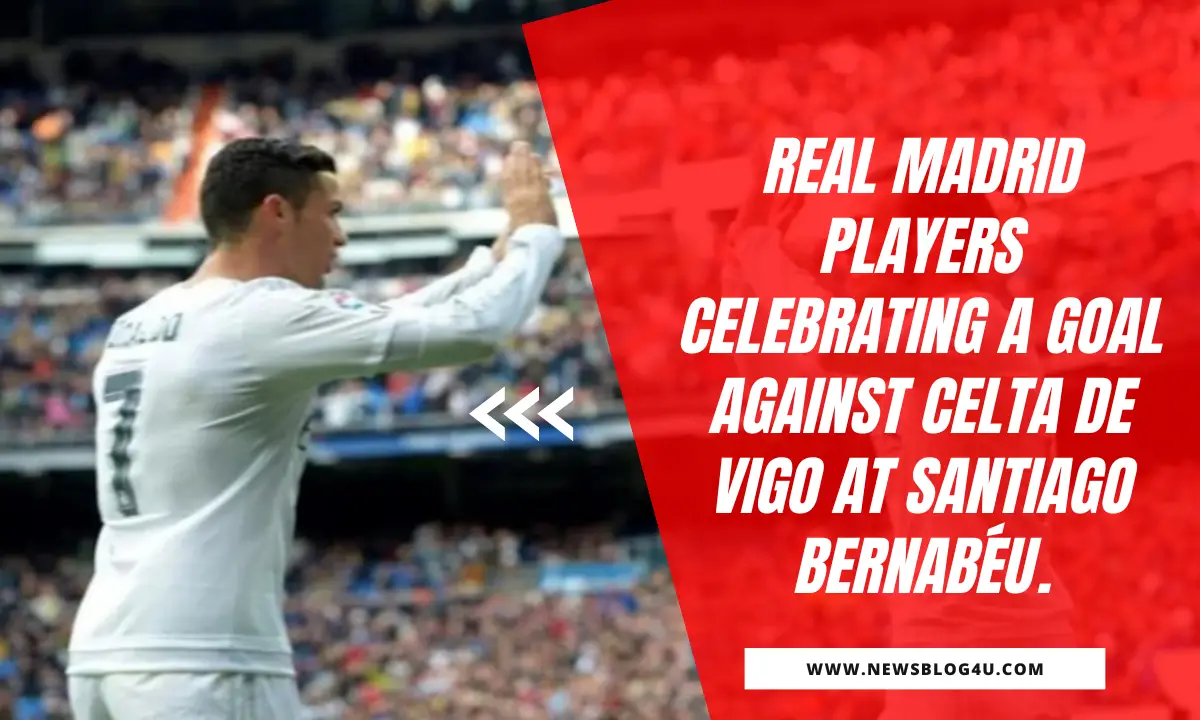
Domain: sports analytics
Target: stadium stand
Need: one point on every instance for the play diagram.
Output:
(460, 619)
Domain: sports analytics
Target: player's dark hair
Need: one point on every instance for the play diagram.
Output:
(243, 173)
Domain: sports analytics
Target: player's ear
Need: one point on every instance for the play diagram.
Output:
(276, 208)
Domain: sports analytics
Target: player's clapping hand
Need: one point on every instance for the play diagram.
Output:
(525, 189)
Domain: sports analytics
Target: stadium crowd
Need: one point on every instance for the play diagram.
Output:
(455, 623)
(450, 624)
(104, 147)
(430, 145)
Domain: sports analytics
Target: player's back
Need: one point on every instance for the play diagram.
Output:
(197, 474)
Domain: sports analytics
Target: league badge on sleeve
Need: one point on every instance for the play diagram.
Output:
(346, 300)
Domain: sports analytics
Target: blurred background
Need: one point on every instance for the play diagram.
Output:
(440, 573)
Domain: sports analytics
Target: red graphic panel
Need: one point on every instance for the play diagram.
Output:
(665, 117)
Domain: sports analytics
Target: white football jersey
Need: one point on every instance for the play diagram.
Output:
(203, 397)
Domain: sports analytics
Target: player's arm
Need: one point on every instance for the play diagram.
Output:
(306, 337)
(310, 337)
(480, 263)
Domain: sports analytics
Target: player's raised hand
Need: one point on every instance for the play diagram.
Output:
(526, 189)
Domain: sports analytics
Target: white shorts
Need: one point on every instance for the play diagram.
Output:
(184, 696)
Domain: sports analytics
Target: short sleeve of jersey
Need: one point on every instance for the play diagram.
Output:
(311, 336)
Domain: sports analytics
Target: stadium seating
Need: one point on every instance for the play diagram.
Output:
(460, 620)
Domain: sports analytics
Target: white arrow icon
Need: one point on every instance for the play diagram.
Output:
(516, 413)
(550, 414)
(483, 418)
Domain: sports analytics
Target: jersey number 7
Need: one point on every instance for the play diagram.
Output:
(125, 388)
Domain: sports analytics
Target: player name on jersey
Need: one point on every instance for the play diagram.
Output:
(129, 333)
